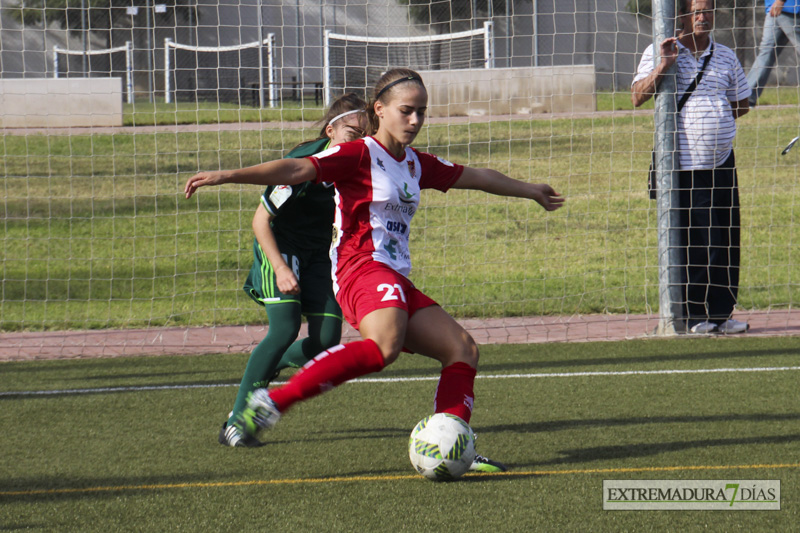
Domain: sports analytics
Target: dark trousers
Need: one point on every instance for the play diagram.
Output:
(710, 235)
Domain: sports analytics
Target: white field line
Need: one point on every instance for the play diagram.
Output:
(419, 378)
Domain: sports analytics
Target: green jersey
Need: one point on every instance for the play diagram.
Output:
(303, 213)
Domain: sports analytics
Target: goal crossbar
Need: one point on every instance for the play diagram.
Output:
(486, 32)
(268, 42)
(127, 48)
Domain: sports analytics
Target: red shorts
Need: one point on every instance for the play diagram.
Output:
(376, 286)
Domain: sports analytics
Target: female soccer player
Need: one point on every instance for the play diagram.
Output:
(378, 180)
(292, 226)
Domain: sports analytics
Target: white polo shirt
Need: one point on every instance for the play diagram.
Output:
(706, 126)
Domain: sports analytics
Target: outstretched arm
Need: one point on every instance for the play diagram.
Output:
(494, 182)
(278, 172)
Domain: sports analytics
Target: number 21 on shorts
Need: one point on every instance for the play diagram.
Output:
(390, 292)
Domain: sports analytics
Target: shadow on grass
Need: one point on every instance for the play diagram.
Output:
(486, 366)
(562, 425)
(631, 451)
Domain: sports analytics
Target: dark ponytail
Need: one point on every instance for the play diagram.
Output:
(343, 104)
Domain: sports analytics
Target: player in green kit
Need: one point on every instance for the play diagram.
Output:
(291, 273)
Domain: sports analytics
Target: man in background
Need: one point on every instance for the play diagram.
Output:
(709, 195)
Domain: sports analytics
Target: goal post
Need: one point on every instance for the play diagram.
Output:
(93, 57)
(216, 59)
(355, 60)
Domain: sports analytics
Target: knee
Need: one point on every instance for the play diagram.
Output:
(465, 350)
(322, 342)
(469, 351)
(389, 350)
(329, 338)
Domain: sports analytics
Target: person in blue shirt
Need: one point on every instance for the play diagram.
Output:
(780, 27)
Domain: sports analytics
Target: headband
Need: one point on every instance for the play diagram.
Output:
(342, 115)
(395, 82)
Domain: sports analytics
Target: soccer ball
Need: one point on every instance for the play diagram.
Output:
(442, 447)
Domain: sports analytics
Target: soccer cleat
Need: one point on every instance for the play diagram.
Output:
(733, 326)
(260, 413)
(704, 327)
(231, 436)
(482, 464)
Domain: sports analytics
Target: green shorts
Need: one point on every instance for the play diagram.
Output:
(313, 272)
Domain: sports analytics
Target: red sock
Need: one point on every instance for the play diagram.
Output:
(332, 367)
(454, 394)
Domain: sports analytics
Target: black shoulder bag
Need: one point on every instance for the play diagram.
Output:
(689, 90)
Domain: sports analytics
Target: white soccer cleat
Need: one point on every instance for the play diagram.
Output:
(733, 326)
(704, 328)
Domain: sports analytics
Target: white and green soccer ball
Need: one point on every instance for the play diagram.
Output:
(442, 447)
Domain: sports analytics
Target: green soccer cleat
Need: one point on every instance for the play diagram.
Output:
(482, 464)
(260, 413)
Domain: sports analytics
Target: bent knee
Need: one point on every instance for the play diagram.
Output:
(470, 352)
(464, 351)
(390, 352)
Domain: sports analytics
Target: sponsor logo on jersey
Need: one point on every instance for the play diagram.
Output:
(444, 161)
(396, 227)
(408, 196)
(380, 163)
(398, 208)
(390, 249)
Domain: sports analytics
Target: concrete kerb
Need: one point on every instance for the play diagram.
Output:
(28, 346)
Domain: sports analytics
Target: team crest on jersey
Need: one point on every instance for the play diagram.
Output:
(280, 194)
(412, 168)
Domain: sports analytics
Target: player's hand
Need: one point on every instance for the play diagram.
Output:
(286, 280)
(202, 179)
(776, 8)
(669, 51)
(547, 197)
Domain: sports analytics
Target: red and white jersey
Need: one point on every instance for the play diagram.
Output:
(376, 198)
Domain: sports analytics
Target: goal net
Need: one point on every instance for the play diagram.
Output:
(243, 74)
(355, 62)
(109, 63)
(98, 237)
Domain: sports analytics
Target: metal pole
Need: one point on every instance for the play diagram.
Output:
(149, 51)
(509, 36)
(473, 15)
(260, 23)
(84, 57)
(535, 34)
(273, 88)
(670, 254)
(488, 44)
(167, 68)
(129, 70)
(326, 69)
